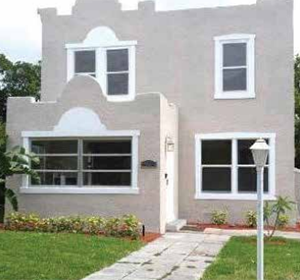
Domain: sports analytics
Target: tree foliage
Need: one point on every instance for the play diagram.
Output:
(297, 111)
(18, 79)
(15, 161)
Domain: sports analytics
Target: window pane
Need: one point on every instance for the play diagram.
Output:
(54, 147)
(235, 54)
(107, 147)
(85, 62)
(117, 84)
(244, 152)
(234, 79)
(216, 152)
(247, 179)
(107, 179)
(57, 179)
(100, 163)
(216, 180)
(117, 60)
(56, 163)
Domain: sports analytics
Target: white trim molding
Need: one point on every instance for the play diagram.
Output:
(100, 40)
(234, 194)
(220, 41)
(69, 127)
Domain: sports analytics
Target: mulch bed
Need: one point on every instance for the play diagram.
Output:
(202, 227)
(150, 236)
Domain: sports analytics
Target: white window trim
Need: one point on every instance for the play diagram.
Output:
(234, 195)
(134, 134)
(235, 38)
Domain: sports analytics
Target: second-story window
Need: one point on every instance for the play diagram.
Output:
(112, 67)
(234, 67)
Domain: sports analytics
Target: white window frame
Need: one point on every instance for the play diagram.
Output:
(220, 41)
(101, 67)
(43, 135)
(234, 194)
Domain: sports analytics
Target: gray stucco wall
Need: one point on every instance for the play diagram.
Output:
(115, 116)
(175, 56)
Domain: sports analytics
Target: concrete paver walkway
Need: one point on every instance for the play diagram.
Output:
(175, 256)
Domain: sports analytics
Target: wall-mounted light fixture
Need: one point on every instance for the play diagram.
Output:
(170, 145)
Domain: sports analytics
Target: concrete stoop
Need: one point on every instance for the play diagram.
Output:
(176, 225)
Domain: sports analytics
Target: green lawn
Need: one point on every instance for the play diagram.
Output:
(237, 260)
(39, 256)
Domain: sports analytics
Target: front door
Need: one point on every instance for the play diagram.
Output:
(170, 203)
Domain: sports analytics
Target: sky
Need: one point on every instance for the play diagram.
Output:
(20, 25)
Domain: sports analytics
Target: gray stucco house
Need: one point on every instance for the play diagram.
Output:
(153, 112)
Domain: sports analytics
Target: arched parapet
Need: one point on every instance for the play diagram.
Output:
(101, 36)
(80, 89)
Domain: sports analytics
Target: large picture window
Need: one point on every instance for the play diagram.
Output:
(225, 167)
(105, 162)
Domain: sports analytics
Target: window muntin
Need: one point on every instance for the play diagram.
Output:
(100, 162)
(237, 178)
(234, 64)
(85, 62)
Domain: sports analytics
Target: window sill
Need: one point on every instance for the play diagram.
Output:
(234, 95)
(76, 190)
(216, 196)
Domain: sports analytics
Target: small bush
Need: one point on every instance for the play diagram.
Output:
(126, 226)
(251, 219)
(283, 221)
(219, 217)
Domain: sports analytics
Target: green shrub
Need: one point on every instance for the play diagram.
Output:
(251, 219)
(126, 226)
(275, 214)
(219, 217)
(283, 221)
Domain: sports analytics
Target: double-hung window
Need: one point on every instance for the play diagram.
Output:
(225, 167)
(112, 67)
(234, 66)
(87, 163)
